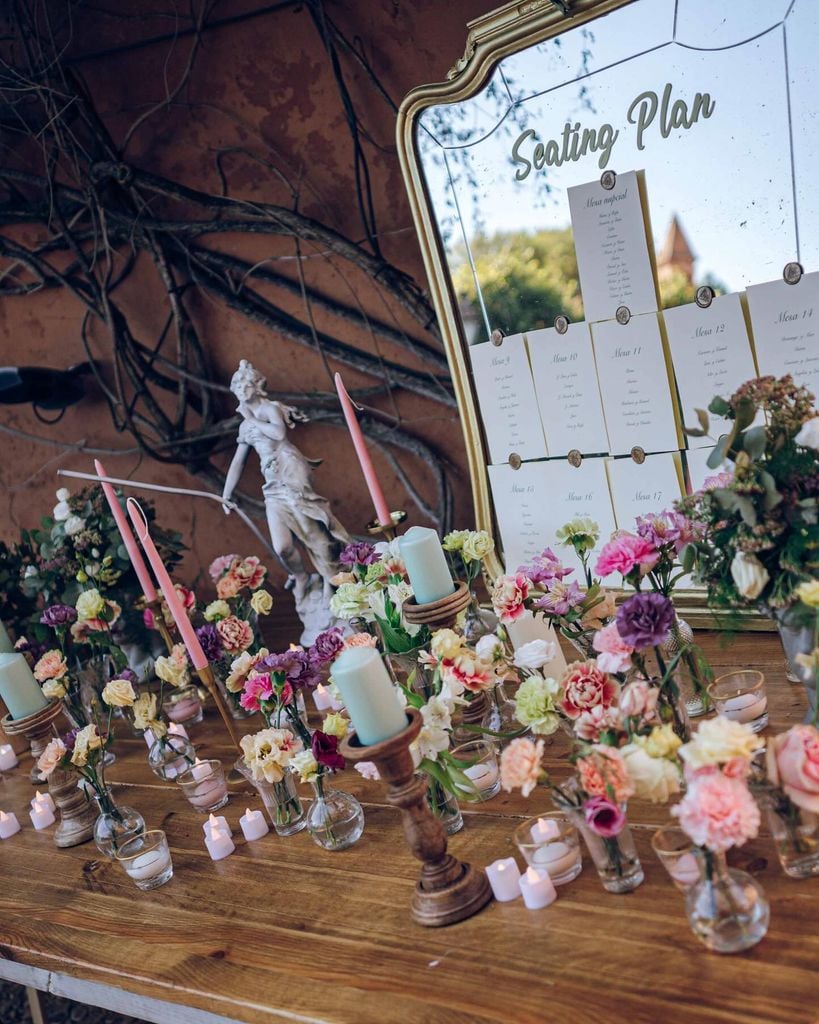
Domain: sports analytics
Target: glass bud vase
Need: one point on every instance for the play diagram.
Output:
(797, 639)
(280, 799)
(335, 819)
(444, 806)
(727, 909)
(795, 833)
(672, 708)
(115, 824)
(478, 622)
(614, 857)
(170, 756)
(689, 674)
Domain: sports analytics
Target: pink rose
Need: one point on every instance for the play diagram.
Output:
(603, 817)
(51, 666)
(638, 699)
(624, 553)
(614, 653)
(585, 686)
(521, 765)
(603, 772)
(793, 765)
(235, 634)
(590, 724)
(718, 812)
(509, 595)
(219, 566)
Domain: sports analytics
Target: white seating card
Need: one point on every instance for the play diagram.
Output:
(711, 353)
(639, 489)
(637, 400)
(520, 496)
(567, 391)
(784, 320)
(612, 249)
(699, 470)
(576, 491)
(506, 395)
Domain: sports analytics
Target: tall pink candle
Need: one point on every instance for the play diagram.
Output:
(183, 623)
(382, 509)
(137, 561)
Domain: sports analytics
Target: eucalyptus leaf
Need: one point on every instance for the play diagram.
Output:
(719, 407)
(717, 456)
(688, 556)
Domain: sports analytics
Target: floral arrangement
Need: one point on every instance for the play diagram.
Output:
(466, 551)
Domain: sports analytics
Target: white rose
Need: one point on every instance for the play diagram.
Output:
(73, 525)
(749, 575)
(489, 648)
(61, 511)
(654, 778)
(808, 435)
(534, 655)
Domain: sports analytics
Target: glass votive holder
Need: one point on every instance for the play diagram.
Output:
(480, 758)
(677, 855)
(551, 842)
(204, 786)
(147, 859)
(741, 696)
(183, 706)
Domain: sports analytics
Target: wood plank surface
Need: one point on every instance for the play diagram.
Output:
(283, 930)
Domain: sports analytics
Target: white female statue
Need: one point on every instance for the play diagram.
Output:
(297, 517)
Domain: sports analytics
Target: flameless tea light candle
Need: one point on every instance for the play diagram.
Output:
(741, 697)
(184, 707)
(44, 800)
(537, 888)
(175, 729)
(219, 844)
(504, 878)
(545, 829)
(41, 815)
(481, 760)
(370, 696)
(9, 825)
(219, 822)
(322, 698)
(201, 769)
(204, 786)
(147, 859)
(551, 843)
(253, 825)
(8, 759)
(19, 689)
(426, 564)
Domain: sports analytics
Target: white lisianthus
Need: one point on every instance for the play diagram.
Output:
(534, 655)
(73, 525)
(808, 435)
(305, 765)
(749, 575)
(654, 778)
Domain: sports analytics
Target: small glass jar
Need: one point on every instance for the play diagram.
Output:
(170, 756)
(615, 857)
(551, 843)
(183, 706)
(281, 800)
(204, 786)
(147, 859)
(335, 819)
(727, 909)
(115, 825)
(741, 696)
(444, 806)
(795, 833)
(678, 856)
(480, 765)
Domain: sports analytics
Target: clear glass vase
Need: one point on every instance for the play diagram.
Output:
(115, 824)
(335, 819)
(692, 674)
(280, 719)
(797, 639)
(795, 833)
(582, 642)
(478, 622)
(231, 700)
(444, 806)
(614, 857)
(672, 708)
(727, 909)
(170, 756)
(280, 799)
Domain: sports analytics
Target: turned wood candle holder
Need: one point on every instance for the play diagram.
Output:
(448, 890)
(207, 677)
(77, 814)
(441, 614)
(38, 730)
(389, 531)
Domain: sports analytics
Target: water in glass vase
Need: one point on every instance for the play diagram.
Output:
(335, 819)
(727, 909)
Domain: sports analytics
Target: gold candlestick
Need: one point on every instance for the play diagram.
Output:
(448, 890)
(387, 531)
(207, 677)
(155, 607)
(441, 614)
(38, 730)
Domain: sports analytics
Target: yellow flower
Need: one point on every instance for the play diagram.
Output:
(808, 593)
(305, 764)
(217, 610)
(53, 689)
(118, 693)
(661, 742)
(335, 725)
(87, 739)
(808, 661)
(477, 545)
(446, 644)
(718, 741)
(261, 602)
(174, 668)
(90, 605)
(454, 541)
(144, 708)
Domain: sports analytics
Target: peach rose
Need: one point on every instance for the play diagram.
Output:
(235, 634)
(51, 666)
(793, 765)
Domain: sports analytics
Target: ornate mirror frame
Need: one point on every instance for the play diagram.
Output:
(492, 37)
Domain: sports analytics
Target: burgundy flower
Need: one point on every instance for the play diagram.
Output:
(603, 817)
(210, 641)
(326, 646)
(645, 620)
(358, 553)
(58, 615)
(325, 750)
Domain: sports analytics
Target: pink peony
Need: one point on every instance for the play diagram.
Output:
(219, 566)
(718, 812)
(585, 686)
(509, 595)
(603, 772)
(614, 653)
(256, 689)
(603, 817)
(625, 553)
(521, 765)
(51, 666)
(590, 724)
(235, 634)
(793, 765)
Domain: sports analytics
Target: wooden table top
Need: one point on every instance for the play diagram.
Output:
(283, 930)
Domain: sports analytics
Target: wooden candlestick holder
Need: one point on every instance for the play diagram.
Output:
(448, 890)
(389, 531)
(38, 730)
(207, 677)
(441, 614)
(77, 814)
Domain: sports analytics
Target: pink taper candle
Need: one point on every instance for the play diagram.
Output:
(131, 546)
(382, 509)
(180, 617)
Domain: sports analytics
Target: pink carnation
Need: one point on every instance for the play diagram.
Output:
(521, 765)
(625, 553)
(614, 654)
(509, 596)
(360, 640)
(590, 724)
(219, 566)
(235, 634)
(718, 812)
(256, 689)
(638, 699)
(603, 772)
(585, 686)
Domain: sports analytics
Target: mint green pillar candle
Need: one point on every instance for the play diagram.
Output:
(370, 696)
(19, 689)
(426, 564)
(6, 646)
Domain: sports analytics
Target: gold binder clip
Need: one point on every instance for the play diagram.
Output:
(496, 337)
(638, 454)
(515, 461)
(792, 272)
(575, 457)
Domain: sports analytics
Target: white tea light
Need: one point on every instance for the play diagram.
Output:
(217, 821)
(545, 829)
(537, 888)
(8, 759)
(9, 825)
(557, 858)
(504, 878)
(219, 844)
(148, 865)
(41, 815)
(253, 825)
(175, 729)
(44, 800)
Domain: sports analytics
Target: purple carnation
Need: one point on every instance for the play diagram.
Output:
(358, 553)
(59, 615)
(326, 646)
(545, 568)
(296, 666)
(645, 620)
(211, 642)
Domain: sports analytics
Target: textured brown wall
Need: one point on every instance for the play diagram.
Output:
(264, 85)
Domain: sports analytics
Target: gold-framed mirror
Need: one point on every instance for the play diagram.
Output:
(706, 112)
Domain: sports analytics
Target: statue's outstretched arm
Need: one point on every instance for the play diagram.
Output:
(233, 474)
